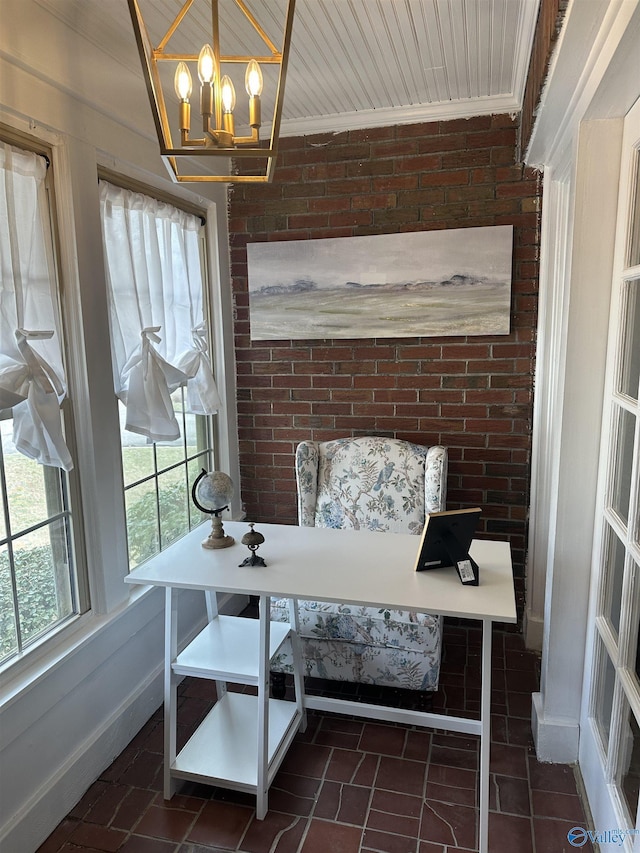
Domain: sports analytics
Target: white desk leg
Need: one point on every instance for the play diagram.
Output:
(485, 738)
(263, 708)
(298, 675)
(211, 600)
(170, 689)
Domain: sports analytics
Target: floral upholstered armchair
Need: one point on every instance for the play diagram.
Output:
(379, 484)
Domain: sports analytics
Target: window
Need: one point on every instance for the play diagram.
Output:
(37, 580)
(38, 583)
(158, 477)
(163, 377)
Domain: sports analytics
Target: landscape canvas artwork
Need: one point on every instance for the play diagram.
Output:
(426, 283)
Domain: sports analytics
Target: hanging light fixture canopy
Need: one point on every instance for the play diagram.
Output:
(215, 134)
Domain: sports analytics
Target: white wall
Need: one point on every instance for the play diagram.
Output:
(66, 714)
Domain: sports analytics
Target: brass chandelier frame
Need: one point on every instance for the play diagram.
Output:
(218, 136)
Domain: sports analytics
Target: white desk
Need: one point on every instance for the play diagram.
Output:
(349, 567)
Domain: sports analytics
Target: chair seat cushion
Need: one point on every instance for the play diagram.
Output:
(368, 626)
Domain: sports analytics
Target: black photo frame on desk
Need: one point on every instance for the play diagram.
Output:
(446, 540)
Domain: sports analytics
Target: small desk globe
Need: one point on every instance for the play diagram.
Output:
(212, 493)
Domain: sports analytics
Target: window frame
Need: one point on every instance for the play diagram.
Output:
(69, 482)
(210, 421)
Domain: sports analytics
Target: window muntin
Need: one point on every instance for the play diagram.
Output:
(630, 344)
(158, 477)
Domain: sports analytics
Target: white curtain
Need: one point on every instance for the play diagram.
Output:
(158, 333)
(32, 381)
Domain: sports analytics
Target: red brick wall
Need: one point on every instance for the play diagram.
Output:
(472, 394)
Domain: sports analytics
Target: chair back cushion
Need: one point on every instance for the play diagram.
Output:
(370, 483)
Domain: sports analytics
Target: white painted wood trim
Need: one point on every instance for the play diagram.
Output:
(385, 117)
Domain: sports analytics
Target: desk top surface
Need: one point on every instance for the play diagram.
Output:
(345, 566)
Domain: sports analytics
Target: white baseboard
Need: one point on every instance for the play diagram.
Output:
(56, 796)
(556, 740)
(55, 793)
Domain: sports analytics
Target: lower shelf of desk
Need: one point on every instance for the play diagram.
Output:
(224, 749)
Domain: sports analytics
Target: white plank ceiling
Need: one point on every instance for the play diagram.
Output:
(353, 64)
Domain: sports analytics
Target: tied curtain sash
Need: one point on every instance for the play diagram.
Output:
(158, 334)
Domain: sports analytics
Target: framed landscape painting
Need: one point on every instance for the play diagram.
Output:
(425, 283)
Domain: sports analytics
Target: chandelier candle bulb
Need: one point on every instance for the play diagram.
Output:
(182, 82)
(253, 79)
(206, 64)
(228, 95)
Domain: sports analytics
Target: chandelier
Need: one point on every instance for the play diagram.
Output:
(214, 135)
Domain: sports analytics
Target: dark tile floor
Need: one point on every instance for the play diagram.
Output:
(348, 784)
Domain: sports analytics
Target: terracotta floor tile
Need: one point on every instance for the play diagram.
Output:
(343, 740)
(406, 777)
(302, 786)
(417, 744)
(512, 795)
(428, 847)
(285, 831)
(293, 795)
(120, 766)
(455, 776)
(521, 659)
(521, 681)
(499, 730)
(139, 844)
(453, 741)
(449, 824)
(392, 803)
(508, 834)
(519, 732)
(519, 704)
(384, 740)
(324, 836)
(508, 760)
(98, 837)
(132, 807)
(344, 764)
(349, 785)
(463, 759)
(306, 759)
(551, 777)
(165, 822)
(341, 724)
(297, 802)
(185, 799)
(451, 794)
(145, 771)
(367, 770)
(553, 804)
(89, 799)
(220, 824)
(343, 803)
(106, 806)
(551, 836)
(377, 841)
(394, 823)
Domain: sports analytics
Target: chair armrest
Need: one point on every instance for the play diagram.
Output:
(307, 482)
(435, 479)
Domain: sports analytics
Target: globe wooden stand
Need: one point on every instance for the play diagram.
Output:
(217, 538)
